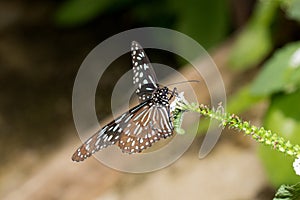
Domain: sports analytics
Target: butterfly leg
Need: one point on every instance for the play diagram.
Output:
(174, 93)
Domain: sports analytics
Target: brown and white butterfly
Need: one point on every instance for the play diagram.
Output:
(141, 126)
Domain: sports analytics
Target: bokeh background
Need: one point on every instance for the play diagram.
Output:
(42, 44)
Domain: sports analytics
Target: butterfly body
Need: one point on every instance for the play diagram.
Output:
(144, 124)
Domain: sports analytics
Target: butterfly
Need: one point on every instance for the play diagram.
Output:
(144, 124)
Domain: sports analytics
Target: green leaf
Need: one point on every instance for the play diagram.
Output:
(293, 10)
(264, 12)
(77, 12)
(279, 73)
(288, 192)
(205, 21)
(283, 118)
(251, 47)
(254, 42)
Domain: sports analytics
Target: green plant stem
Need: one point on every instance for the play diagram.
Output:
(228, 120)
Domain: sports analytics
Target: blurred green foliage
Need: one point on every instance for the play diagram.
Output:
(79, 12)
(244, 98)
(282, 117)
(293, 9)
(254, 43)
(288, 192)
(278, 73)
(205, 21)
(278, 81)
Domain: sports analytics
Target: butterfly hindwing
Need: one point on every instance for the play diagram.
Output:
(147, 126)
(134, 131)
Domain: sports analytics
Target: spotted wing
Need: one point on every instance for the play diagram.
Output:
(144, 77)
(134, 131)
(108, 135)
(146, 127)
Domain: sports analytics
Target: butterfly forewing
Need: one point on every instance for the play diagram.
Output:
(107, 136)
(144, 77)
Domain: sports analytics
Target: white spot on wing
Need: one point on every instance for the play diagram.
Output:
(146, 66)
(151, 79)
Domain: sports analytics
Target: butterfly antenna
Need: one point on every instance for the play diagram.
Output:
(181, 82)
